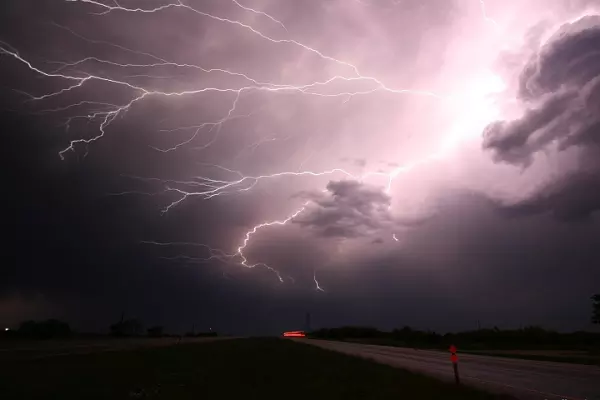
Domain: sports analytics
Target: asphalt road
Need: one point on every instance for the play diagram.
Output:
(523, 379)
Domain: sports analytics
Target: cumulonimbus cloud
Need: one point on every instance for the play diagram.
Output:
(560, 90)
(348, 209)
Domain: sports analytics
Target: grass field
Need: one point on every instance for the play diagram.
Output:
(229, 369)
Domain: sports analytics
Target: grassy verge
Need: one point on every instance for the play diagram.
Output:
(245, 368)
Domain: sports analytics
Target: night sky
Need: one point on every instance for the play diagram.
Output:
(236, 164)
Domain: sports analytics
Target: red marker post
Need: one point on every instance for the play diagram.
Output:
(454, 359)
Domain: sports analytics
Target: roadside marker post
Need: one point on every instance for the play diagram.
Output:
(454, 359)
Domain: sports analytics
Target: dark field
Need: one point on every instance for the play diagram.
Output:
(229, 369)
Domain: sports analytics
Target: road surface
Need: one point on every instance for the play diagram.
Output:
(524, 379)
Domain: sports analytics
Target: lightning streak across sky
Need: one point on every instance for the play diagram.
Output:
(77, 74)
(317, 286)
(485, 15)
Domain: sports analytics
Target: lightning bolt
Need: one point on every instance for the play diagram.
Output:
(261, 13)
(213, 254)
(255, 229)
(107, 117)
(218, 254)
(76, 75)
(214, 187)
(318, 287)
(485, 16)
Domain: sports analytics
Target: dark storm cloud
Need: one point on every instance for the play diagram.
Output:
(570, 57)
(560, 88)
(77, 250)
(572, 197)
(516, 141)
(471, 256)
(349, 209)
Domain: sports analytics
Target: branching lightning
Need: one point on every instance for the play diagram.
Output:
(260, 13)
(76, 75)
(213, 254)
(215, 187)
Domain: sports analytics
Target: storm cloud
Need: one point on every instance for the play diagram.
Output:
(573, 197)
(559, 88)
(334, 141)
(349, 209)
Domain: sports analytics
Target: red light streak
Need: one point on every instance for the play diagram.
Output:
(294, 334)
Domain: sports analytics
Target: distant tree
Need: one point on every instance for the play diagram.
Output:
(596, 309)
(155, 331)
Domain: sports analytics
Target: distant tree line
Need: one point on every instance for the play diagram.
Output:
(56, 329)
(528, 337)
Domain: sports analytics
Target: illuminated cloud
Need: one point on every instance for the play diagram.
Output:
(560, 90)
(349, 209)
